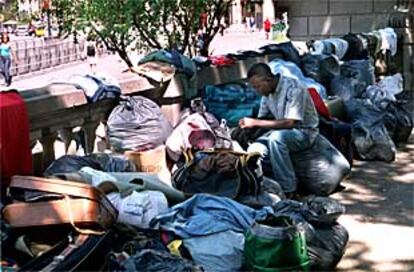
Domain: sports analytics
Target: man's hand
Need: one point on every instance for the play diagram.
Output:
(247, 122)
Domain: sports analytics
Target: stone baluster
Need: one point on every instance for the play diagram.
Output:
(66, 135)
(89, 129)
(48, 139)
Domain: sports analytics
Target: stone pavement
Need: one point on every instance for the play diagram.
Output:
(379, 197)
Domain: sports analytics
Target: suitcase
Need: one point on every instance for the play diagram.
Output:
(74, 253)
(47, 202)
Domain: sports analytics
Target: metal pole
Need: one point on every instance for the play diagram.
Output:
(49, 30)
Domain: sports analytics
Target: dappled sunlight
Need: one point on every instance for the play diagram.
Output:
(386, 251)
(379, 216)
(380, 191)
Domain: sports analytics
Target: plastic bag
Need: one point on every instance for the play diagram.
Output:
(370, 136)
(70, 164)
(98, 161)
(327, 246)
(321, 168)
(322, 68)
(398, 122)
(137, 123)
(114, 163)
(323, 210)
(326, 243)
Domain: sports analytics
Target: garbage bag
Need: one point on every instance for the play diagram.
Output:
(327, 246)
(370, 137)
(96, 87)
(158, 261)
(356, 47)
(329, 46)
(322, 210)
(137, 123)
(362, 70)
(287, 51)
(113, 163)
(322, 68)
(346, 88)
(320, 169)
(98, 161)
(399, 122)
(355, 76)
(326, 239)
(70, 164)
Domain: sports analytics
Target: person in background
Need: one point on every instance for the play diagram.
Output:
(6, 56)
(267, 25)
(293, 121)
(91, 53)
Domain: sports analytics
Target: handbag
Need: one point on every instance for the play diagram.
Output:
(276, 244)
(219, 172)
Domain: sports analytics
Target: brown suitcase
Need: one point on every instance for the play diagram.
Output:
(78, 204)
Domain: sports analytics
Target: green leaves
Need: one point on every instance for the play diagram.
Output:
(152, 24)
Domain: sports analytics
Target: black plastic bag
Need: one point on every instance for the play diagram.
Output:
(327, 246)
(326, 243)
(70, 164)
(320, 169)
(370, 137)
(322, 68)
(398, 122)
(323, 210)
(100, 161)
(113, 163)
(137, 123)
(157, 261)
(286, 50)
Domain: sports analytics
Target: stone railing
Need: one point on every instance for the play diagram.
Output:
(56, 110)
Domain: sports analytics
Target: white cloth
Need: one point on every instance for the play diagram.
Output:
(139, 208)
(388, 40)
(340, 46)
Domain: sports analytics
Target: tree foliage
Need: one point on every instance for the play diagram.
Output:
(153, 24)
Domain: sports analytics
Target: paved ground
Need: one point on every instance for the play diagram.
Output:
(379, 196)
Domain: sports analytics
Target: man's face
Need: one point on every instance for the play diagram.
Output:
(262, 84)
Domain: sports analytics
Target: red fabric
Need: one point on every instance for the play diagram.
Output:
(319, 104)
(15, 151)
(267, 25)
(221, 60)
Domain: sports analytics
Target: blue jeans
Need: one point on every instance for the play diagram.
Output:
(5, 68)
(277, 144)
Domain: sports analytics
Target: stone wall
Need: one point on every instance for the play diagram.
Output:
(316, 19)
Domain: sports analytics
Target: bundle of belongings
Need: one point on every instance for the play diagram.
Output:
(204, 194)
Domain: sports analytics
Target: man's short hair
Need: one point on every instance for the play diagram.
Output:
(259, 69)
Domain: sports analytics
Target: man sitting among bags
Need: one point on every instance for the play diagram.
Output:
(293, 123)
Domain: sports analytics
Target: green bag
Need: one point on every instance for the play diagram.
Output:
(277, 244)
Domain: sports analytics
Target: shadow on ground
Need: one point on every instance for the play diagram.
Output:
(382, 192)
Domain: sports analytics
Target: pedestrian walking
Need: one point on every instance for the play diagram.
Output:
(6, 56)
(293, 124)
(267, 25)
(91, 54)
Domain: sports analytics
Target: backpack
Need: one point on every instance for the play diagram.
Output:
(231, 101)
(219, 172)
(90, 50)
